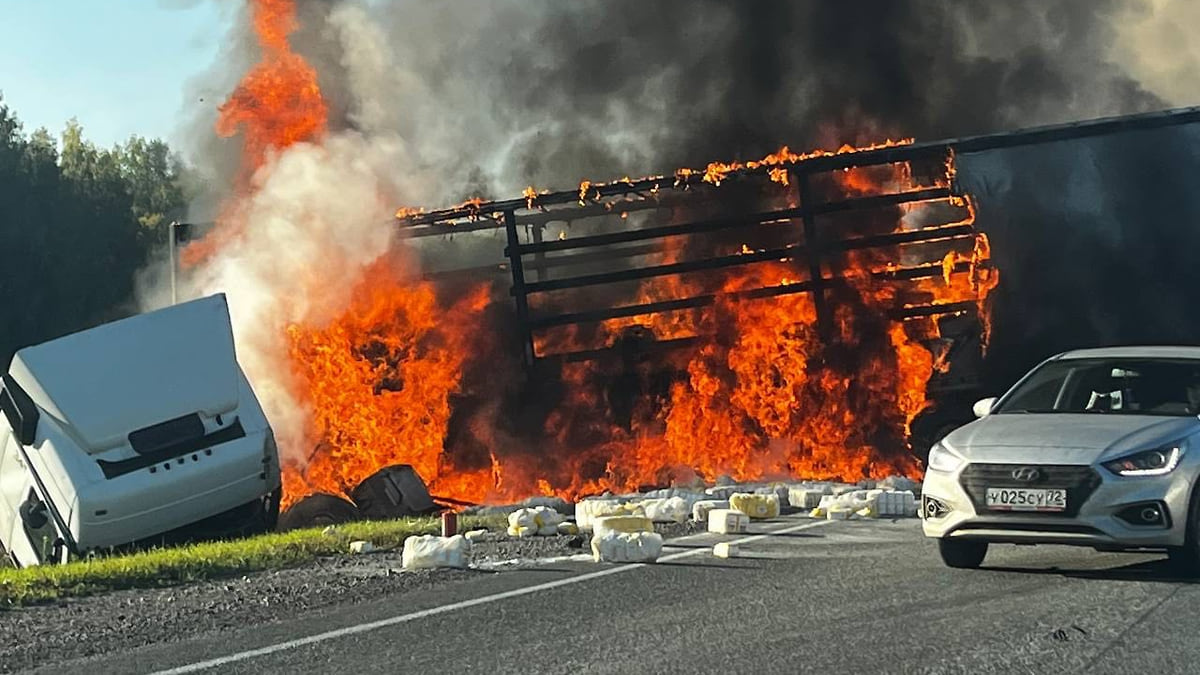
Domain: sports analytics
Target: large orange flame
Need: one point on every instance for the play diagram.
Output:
(277, 104)
(760, 393)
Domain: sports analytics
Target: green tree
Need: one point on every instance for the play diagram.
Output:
(76, 224)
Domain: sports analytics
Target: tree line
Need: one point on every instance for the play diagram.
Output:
(76, 224)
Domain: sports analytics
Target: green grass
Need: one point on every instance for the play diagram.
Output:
(161, 567)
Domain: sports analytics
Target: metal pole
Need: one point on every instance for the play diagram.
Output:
(171, 229)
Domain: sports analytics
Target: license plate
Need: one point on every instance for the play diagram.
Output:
(1026, 499)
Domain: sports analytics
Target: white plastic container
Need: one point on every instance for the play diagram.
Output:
(727, 521)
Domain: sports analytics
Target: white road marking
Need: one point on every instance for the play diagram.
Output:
(434, 611)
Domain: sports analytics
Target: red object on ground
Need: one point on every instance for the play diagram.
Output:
(449, 523)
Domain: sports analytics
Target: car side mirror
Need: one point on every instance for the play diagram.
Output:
(983, 407)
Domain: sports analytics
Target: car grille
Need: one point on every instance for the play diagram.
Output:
(1079, 482)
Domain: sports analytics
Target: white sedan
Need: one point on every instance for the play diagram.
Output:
(1091, 448)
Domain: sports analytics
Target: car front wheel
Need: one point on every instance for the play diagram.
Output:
(1185, 560)
(962, 554)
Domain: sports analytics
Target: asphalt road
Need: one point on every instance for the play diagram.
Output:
(862, 596)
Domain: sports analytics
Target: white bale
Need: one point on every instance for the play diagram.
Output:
(588, 510)
(727, 521)
(759, 506)
(838, 511)
(606, 524)
(804, 498)
(523, 523)
(701, 508)
(431, 551)
(626, 547)
(778, 489)
(725, 550)
(669, 510)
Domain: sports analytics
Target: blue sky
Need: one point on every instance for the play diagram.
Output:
(120, 66)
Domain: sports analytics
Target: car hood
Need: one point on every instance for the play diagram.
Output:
(1065, 438)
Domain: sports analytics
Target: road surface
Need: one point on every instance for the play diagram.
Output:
(806, 596)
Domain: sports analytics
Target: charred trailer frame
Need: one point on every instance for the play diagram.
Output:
(786, 206)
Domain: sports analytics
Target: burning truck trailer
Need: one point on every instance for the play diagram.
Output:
(820, 316)
(630, 280)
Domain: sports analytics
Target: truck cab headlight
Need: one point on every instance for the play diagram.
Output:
(941, 459)
(1155, 462)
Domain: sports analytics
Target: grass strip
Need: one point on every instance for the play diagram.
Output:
(162, 567)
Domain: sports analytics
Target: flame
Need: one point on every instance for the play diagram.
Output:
(378, 380)
(410, 373)
(278, 103)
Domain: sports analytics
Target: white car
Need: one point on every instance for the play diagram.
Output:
(1092, 448)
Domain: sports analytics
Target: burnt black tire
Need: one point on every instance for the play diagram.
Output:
(318, 510)
(962, 554)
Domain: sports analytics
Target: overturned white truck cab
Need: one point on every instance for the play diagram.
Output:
(143, 430)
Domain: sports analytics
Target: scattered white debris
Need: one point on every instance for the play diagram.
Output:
(431, 551)
(588, 510)
(626, 547)
(701, 509)
(603, 526)
(362, 547)
(330, 531)
(474, 535)
(537, 521)
(723, 491)
(727, 521)
(778, 489)
(567, 527)
(725, 550)
(756, 506)
(867, 504)
(668, 510)
(804, 498)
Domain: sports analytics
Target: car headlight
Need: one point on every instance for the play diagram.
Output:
(941, 459)
(1147, 462)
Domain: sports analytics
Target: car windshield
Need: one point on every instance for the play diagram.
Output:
(1115, 386)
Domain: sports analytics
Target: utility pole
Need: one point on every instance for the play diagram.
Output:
(171, 234)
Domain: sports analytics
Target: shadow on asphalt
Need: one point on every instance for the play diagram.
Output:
(1149, 571)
